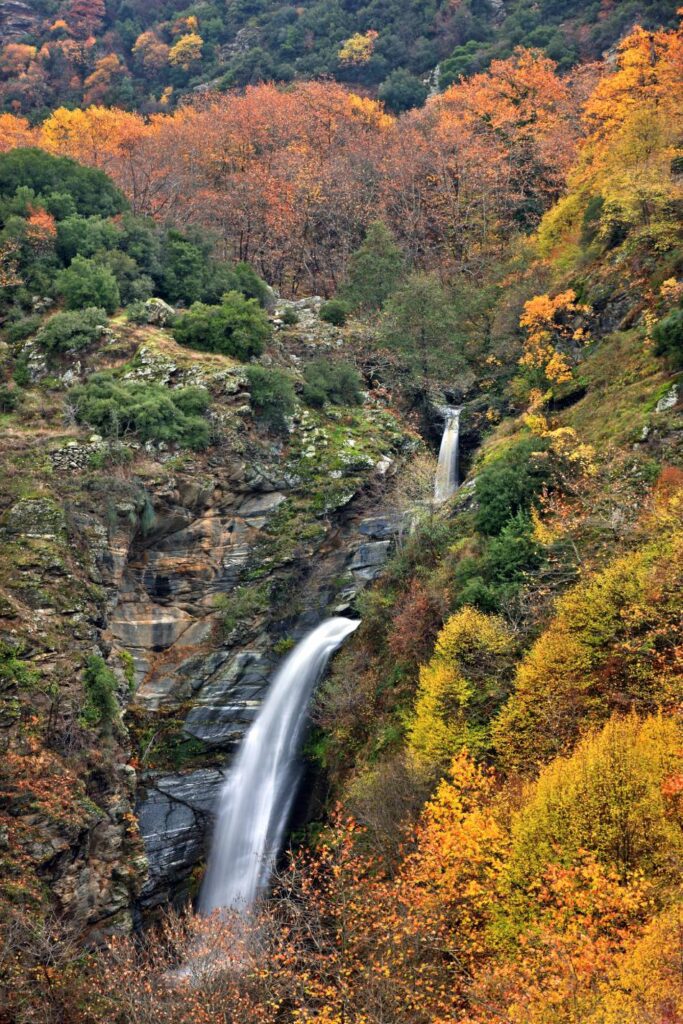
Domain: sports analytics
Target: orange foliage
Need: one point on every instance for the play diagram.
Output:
(41, 229)
(290, 178)
(583, 917)
(16, 58)
(151, 51)
(14, 132)
(545, 322)
(415, 624)
(98, 83)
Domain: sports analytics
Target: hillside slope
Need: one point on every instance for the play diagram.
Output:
(147, 56)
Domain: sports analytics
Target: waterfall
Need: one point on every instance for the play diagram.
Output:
(257, 797)
(446, 482)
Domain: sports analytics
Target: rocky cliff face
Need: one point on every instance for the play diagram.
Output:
(16, 20)
(191, 575)
(202, 669)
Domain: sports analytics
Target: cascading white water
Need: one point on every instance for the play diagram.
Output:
(446, 482)
(257, 796)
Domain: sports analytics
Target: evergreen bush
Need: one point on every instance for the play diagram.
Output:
(101, 708)
(71, 331)
(509, 484)
(238, 327)
(154, 413)
(88, 283)
(334, 312)
(668, 335)
(374, 270)
(327, 381)
(272, 396)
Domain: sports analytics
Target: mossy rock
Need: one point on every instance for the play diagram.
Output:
(35, 517)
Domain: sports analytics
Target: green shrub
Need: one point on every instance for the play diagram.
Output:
(184, 269)
(402, 91)
(509, 485)
(22, 329)
(154, 413)
(87, 283)
(326, 381)
(238, 327)
(9, 398)
(289, 316)
(421, 324)
(334, 312)
(243, 278)
(133, 285)
(137, 313)
(241, 605)
(15, 673)
(494, 577)
(101, 708)
(21, 372)
(70, 331)
(668, 335)
(85, 236)
(272, 396)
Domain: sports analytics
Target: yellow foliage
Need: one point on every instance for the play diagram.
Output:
(543, 534)
(610, 645)
(370, 112)
(186, 51)
(671, 291)
(461, 852)
(544, 320)
(633, 121)
(89, 135)
(565, 445)
(358, 49)
(465, 664)
(610, 799)
(646, 985)
(14, 131)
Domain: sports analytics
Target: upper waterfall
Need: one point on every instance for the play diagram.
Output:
(446, 482)
(257, 797)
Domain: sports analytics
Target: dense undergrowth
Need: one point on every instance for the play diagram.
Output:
(502, 733)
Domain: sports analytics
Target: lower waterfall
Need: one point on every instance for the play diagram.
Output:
(257, 797)
(446, 482)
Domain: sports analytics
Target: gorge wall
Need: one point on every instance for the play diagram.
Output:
(191, 575)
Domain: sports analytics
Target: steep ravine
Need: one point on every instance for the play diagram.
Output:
(210, 684)
(191, 574)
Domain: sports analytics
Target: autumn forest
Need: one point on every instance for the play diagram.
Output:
(266, 274)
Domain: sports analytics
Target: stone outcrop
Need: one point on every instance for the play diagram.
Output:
(17, 19)
(190, 575)
(165, 615)
(175, 814)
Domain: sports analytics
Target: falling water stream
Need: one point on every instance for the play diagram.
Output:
(257, 797)
(446, 482)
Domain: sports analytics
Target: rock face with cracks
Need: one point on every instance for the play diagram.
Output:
(186, 576)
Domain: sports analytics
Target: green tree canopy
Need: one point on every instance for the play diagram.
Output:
(420, 325)
(238, 327)
(91, 192)
(374, 270)
(88, 283)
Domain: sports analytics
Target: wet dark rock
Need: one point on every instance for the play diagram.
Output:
(175, 813)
